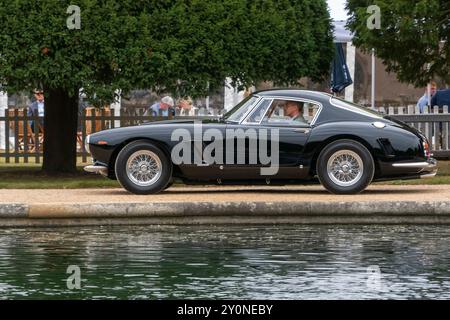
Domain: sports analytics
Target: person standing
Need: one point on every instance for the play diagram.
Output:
(441, 99)
(185, 107)
(163, 108)
(3, 110)
(423, 101)
(37, 108)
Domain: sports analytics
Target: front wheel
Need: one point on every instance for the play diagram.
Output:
(345, 167)
(143, 168)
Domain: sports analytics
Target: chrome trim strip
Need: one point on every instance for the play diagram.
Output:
(418, 165)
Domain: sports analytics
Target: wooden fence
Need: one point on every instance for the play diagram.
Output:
(24, 135)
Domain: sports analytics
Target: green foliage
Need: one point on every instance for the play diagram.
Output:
(164, 45)
(413, 34)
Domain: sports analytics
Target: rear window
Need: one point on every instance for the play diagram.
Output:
(356, 108)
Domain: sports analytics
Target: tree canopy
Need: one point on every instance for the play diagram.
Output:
(413, 38)
(178, 46)
(162, 44)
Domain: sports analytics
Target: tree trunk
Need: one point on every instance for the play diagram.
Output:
(60, 127)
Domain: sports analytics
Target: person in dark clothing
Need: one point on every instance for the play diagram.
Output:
(441, 99)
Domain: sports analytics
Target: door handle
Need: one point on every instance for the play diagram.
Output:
(302, 130)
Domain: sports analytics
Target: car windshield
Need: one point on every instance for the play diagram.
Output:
(356, 108)
(238, 112)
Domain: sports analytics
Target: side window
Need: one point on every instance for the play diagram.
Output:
(237, 113)
(290, 112)
(257, 115)
(310, 111)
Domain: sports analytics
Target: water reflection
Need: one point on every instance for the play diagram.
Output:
(264, 262)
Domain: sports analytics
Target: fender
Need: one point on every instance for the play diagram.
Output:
(387, 145)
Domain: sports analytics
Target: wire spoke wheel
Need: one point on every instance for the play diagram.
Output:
(345, 168)
(144, 168)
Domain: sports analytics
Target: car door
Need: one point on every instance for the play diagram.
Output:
(242, 146)
(207, 141)
(208, 144)
(285, 145)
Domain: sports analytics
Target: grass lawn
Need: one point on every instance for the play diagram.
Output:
(29, 176)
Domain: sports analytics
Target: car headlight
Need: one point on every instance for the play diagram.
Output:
(86, 143)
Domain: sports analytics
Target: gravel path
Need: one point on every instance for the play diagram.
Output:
(234, 194)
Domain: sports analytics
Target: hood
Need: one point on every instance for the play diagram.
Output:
(118, 133)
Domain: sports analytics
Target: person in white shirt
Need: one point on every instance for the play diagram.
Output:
(423, 101)
(37, 108)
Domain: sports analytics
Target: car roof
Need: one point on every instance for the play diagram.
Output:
(294, 93)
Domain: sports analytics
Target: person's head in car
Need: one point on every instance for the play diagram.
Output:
(292, 109)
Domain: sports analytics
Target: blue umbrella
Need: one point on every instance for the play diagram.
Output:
(340, 75)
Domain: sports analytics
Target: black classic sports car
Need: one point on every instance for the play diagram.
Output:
(272, 137)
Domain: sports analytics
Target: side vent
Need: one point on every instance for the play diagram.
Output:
(386, 147)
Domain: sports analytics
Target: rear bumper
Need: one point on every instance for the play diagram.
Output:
(426, 169)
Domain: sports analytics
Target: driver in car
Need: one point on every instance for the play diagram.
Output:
(294, 110)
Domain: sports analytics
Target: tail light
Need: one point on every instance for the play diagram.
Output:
(426, 149)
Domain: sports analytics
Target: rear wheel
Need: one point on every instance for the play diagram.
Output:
(169, 185)
(345, 167)
(143, 168)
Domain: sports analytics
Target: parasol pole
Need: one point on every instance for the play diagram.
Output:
(429, 91)
(373, 80)
(3, 108)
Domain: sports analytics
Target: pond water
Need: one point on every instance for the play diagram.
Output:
(226, 262)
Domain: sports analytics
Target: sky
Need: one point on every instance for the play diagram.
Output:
(337, 9)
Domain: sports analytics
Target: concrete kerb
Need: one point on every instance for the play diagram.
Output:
(13, 210)
(387, 212)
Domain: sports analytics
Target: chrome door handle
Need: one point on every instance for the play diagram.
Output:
(303, 130)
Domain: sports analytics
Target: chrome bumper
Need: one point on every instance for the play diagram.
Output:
(97, 169)
(426, 169)
(428, 175)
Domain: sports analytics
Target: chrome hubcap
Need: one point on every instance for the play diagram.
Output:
(345, 168)
(144, 168)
